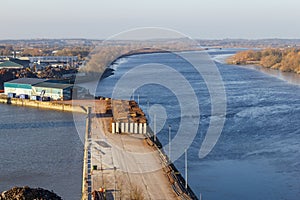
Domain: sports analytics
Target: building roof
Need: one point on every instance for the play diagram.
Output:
(10, 64)
(53, 85)
(50, 59)
(24, 63)
(28, 81)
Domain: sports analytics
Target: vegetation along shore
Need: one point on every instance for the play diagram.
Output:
(283, 59)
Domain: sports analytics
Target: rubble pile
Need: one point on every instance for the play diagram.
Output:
(55, 72)
(25, 193)
(10, 74)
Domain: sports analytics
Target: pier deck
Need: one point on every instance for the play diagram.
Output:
(127, 167)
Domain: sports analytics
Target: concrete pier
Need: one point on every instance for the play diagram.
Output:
(130, 166)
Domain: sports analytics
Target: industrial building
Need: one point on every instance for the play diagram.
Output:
(22, 86)
(37, 89)
(10, 65)
(56, 91)
(53, 59)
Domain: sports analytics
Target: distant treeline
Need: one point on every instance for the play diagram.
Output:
(225, 43)
(108, 52)
(287, 60)
(245, 43)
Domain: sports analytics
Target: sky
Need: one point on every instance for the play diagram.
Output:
(100, 19)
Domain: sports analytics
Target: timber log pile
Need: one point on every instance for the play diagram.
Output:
(125, 111)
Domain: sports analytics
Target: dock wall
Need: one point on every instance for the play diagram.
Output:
(86, 172)
(50, 105)
(175, 178)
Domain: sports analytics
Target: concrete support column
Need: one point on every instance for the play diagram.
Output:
(131, 128)
(113, 128)
(140, 128)
(126, 127)
(135, 128)
(117, 127)
(145, 128)
(122, 127)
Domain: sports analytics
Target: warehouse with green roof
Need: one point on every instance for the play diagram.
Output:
(35, 89)
(21, 86)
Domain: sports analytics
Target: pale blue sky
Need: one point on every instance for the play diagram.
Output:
(99, 19)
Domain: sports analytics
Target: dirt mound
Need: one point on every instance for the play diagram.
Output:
(26, 193)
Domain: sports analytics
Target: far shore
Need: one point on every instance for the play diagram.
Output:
(107, 71)
(285, 60)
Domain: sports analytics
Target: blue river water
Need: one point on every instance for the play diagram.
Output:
(258, 153)
(256, 157)
(40, 148)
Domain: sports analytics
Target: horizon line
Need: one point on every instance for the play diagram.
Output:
(80, 38)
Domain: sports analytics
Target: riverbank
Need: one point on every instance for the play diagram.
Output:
(290, 77)
(106, 71)
(285, 60)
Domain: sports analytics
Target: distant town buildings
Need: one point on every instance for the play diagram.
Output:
(43, 61)
(50, 67)
(53, 59)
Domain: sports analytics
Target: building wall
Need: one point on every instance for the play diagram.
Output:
(18, 91)
(67, 94)
(53, 93)
(17, 88)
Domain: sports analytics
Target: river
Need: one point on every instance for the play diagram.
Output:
(40, 148)
(258, 153)
(256, 157)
